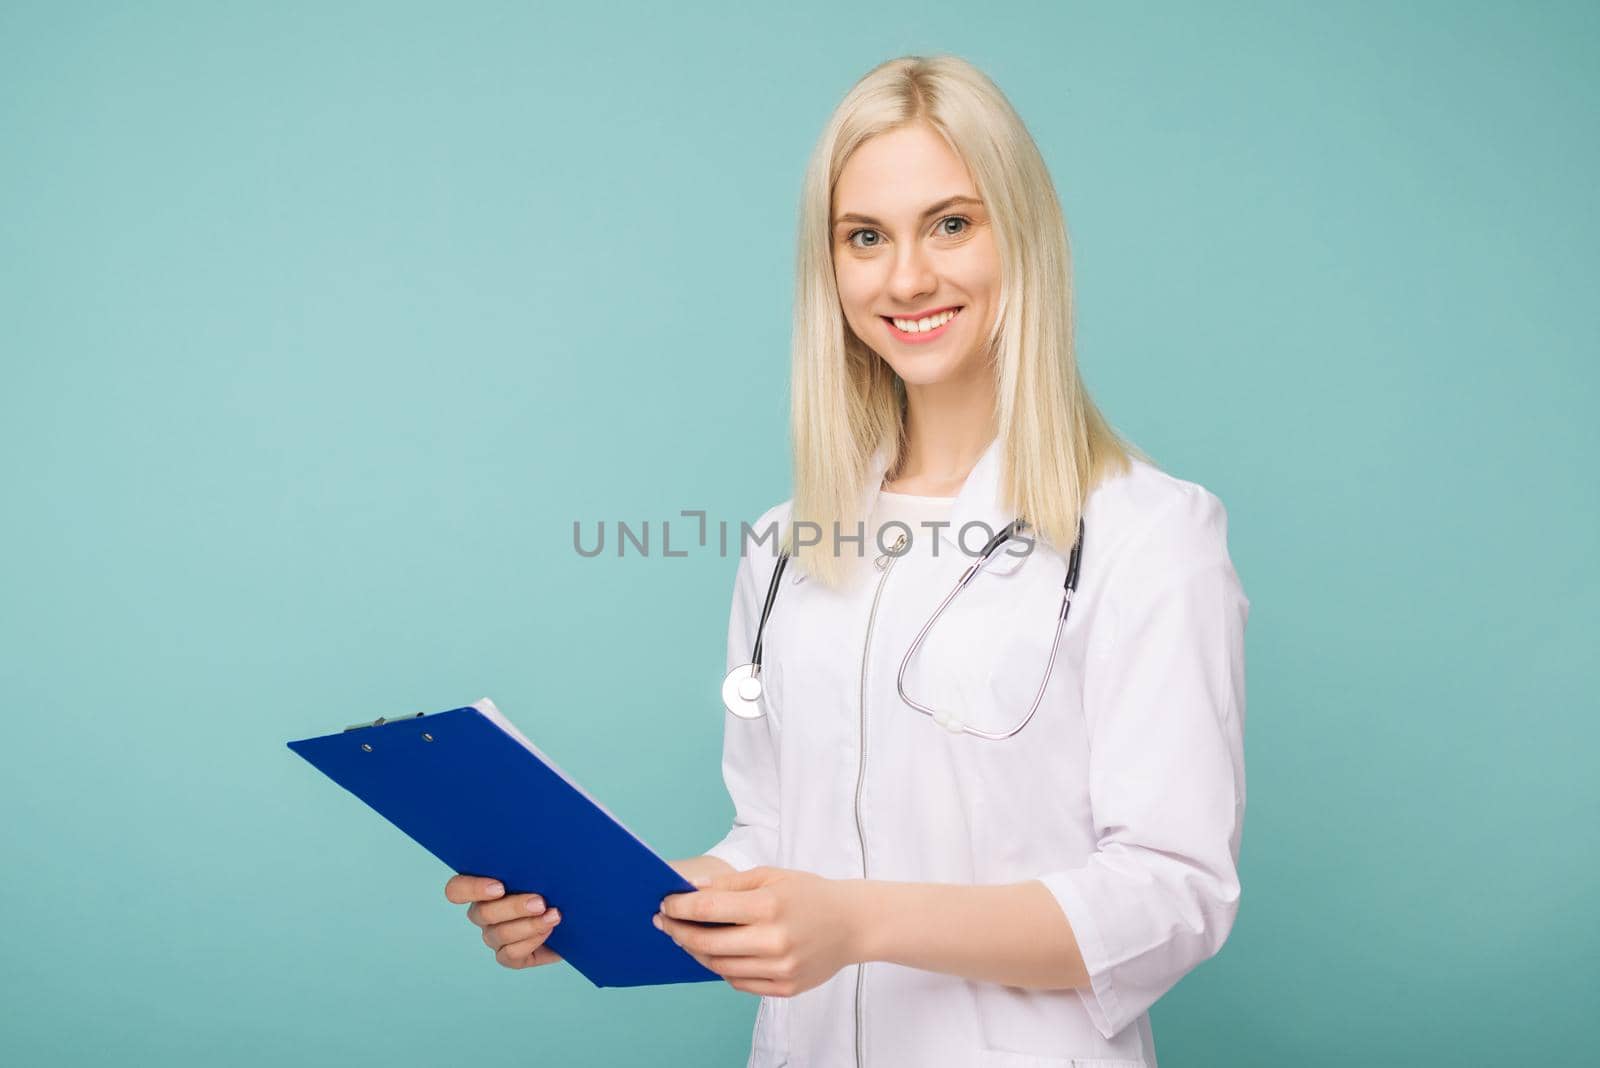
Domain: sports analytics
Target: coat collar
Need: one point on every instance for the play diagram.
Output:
(978, 502)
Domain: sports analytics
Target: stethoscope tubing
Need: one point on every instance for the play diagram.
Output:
(742, 689)
(953, 723)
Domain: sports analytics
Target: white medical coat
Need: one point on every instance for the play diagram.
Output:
(1124, 795)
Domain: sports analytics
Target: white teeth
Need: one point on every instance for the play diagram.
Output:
(932, 322)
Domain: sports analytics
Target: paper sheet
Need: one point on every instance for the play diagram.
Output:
(495, 716)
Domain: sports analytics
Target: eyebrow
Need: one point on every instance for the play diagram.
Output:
(932, 209)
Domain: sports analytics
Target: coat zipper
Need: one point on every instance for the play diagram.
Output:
(861, 772)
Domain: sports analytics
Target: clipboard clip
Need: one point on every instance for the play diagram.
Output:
(380, 721)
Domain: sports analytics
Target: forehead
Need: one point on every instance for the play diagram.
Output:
(899, 172)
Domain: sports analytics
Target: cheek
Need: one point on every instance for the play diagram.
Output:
(856, 300)
(977, 271)
(854, 287)
(981, 285)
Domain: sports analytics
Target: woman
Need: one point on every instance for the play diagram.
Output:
(933, 860)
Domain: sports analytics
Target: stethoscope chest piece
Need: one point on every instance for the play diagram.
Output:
(741, 692)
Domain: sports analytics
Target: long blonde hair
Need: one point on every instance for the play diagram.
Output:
(847, 402)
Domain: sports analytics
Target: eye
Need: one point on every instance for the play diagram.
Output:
(939, 227)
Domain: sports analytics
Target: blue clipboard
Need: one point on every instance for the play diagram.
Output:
(474, 792)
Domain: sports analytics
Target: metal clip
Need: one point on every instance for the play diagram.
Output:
(380, 721)
(883, 558)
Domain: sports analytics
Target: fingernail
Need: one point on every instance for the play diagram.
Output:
(554, 915)
(536, 904)
(495, 889)
(656, 919)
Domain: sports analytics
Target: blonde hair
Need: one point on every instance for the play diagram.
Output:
(847, 402)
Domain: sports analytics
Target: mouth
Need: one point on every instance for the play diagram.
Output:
(925, 327)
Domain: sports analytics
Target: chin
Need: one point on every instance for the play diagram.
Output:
(926, 372)
(914, 378)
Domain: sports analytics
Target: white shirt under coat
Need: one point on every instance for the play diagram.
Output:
(1124, 795)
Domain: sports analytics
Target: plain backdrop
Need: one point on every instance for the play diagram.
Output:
(321, 324)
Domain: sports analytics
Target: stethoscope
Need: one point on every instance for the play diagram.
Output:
(741, 689)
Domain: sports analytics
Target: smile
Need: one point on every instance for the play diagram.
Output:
(924, 329)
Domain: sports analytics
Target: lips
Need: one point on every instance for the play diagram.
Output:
(923, 336)
(924, 314)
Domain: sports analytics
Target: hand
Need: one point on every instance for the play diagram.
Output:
(514, 927)
(793, 930)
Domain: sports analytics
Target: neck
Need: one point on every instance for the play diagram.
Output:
(949, 425)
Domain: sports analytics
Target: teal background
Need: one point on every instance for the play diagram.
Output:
(321, 324)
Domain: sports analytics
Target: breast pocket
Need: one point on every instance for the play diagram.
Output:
(811, 658)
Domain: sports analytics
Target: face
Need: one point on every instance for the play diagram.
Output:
(911, 240)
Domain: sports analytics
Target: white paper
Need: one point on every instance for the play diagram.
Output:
(488, 710)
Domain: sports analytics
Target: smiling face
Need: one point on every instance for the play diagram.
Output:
(912, 244)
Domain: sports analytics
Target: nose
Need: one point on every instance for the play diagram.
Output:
(912, 277)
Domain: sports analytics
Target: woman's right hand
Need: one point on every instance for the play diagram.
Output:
(514, 927)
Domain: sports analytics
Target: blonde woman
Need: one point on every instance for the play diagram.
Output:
(996, 840)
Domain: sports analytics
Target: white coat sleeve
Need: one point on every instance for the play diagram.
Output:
(1164, 705)
(749, 765)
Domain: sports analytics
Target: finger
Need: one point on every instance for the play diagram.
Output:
(724, 906)
(534, 927)
(543, 955)
(463, 888)
(706, 962)
(526, 954)
(515, 907)
(760, 986)
(750, 974)
(737, 941)
(742, 967)
(749, 879)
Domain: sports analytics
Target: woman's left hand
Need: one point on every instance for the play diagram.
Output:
(793, 929)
